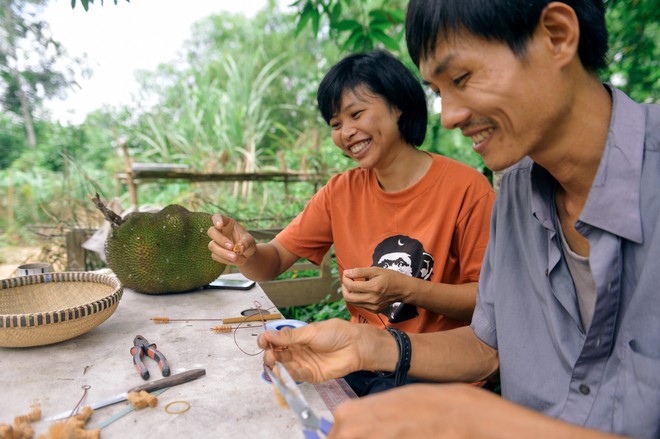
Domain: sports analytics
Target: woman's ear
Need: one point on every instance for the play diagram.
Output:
(561, 29)
(396, 112)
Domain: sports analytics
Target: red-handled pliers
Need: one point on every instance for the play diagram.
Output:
(140, 347)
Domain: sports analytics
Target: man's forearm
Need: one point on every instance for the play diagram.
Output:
(456, 355)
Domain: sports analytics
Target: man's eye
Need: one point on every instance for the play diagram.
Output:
(461, 79)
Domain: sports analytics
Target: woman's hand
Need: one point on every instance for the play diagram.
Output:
(374, 288)
(230, 242)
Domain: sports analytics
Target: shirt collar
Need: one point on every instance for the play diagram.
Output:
(613, 203)
(614, 199)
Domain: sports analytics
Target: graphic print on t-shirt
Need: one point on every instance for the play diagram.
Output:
(406, 255)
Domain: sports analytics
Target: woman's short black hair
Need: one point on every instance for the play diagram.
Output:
(384, 76)
(507, 21)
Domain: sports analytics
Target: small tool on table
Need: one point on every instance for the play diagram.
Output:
(163, 383)
(294, 397)
(140, 347)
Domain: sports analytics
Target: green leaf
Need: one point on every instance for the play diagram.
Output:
(389, 42)
(397, 15)
(366, 43)
(379, 15)
(335, 14)
(316, 19)
(304, 19)
(347, 25)
(380, 25)
(351, 41)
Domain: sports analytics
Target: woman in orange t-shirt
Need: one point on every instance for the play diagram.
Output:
(409, 228)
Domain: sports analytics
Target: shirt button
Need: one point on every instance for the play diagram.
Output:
(584, 389)
(546, 272)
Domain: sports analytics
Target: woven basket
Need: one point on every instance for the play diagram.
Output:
(48, 308)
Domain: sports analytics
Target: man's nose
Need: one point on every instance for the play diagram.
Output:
(453, 113)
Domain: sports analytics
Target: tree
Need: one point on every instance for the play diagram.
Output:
(634, 26)
(634, 67)
(31, 62)
(355, 25)
(86, 3)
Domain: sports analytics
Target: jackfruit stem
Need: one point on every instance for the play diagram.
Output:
(108, 214)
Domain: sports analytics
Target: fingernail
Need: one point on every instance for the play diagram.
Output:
(229, 245)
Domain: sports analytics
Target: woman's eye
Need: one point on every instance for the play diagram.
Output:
(356, 114)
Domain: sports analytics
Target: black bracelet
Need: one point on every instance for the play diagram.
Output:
(405, 354)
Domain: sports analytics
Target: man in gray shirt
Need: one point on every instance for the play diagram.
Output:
(568, 307)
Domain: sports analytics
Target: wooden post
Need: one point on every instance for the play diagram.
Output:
(130, 182)
(10, 202)
(280, 156)
(75, 254)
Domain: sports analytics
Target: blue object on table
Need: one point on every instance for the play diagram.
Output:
(276, 325)
(312, 424)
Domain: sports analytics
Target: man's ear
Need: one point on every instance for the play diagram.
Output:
(561, 29)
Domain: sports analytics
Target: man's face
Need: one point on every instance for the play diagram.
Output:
(510, 107)
(397, 261)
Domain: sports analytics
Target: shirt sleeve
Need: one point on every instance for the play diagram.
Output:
(483, 318)
(309, 235)
(472, 234)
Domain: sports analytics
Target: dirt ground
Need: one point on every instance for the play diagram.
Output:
(12, 257)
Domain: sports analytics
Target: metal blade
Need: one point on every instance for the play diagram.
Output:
(172, 380)
(95, 405)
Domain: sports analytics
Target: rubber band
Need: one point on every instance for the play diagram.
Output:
(183, 410)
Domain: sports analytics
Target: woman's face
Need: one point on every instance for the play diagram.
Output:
(366, 128)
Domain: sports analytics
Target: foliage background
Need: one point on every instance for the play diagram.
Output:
(241, 98)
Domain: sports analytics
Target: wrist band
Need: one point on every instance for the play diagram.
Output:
(405, 354)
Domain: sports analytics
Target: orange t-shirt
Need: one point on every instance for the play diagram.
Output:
(437, 230)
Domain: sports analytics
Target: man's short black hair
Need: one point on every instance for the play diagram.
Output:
(384, 76)
(509, 21)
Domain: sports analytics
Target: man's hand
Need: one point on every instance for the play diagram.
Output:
(230, 242)
(374, 288)
(445, 411)
(326, 350)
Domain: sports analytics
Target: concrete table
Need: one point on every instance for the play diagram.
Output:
(232, 400)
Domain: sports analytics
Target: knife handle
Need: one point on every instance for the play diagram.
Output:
(172, 380)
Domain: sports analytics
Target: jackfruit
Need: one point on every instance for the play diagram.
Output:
(162, 252)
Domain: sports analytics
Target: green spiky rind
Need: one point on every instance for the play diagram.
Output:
(163, 252)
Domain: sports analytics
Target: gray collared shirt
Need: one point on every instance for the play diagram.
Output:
(608, 377)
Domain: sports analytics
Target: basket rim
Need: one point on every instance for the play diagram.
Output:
(37, 319)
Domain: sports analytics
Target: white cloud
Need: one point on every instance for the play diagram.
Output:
(120, 39)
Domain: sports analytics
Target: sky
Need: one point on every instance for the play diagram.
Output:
(120, 39)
